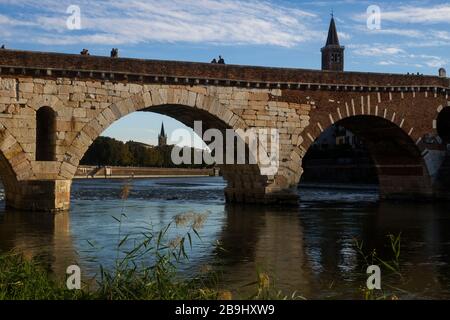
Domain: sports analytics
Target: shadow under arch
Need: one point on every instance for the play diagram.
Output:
(443, 125)
(401, 170)
(244, 182)
(442, 185)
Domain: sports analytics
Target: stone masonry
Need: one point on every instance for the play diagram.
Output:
(88, 94)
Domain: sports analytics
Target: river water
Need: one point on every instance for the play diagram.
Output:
(309, 249)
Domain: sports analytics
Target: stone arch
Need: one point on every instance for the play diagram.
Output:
(245, 182)
(15, 167)
(49, 100)
(402, 171)
(151, 100)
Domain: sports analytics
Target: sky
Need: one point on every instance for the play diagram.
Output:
(392, 37)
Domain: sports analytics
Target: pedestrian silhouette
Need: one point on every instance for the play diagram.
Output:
(84, 52)
(114, 53)
(214, 60)
(221, 60)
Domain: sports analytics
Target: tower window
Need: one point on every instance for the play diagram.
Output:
(45, 134)
(335, 57)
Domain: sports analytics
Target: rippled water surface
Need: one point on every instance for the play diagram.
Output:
(309, 249)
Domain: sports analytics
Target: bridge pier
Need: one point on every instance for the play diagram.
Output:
(245, 184)
(405, 188)
(39, 195)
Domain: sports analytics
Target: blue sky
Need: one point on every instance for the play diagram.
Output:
(414, 36)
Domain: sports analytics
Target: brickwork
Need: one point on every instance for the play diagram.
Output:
(88, 94)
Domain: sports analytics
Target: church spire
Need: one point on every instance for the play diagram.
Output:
(162, 138)
(332, 39)
(162, 133)
(333, 52)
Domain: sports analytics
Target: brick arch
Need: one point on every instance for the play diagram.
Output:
(316, 128)
(292, 170)
(400, 165)
(155, 100)
(439, 110)
(405, 109)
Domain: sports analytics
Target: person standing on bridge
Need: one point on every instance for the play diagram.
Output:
(114, 53)
(221, 60)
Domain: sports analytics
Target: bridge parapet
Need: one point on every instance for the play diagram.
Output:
(53, 65)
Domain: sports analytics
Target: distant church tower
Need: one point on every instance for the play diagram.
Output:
(162, 138)
(332, 53)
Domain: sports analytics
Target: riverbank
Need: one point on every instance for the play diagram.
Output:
(110, 172)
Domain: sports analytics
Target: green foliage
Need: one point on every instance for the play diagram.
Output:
(29, 280)
(106, 151)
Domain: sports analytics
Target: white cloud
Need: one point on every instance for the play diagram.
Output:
(386, 63)
(411, 33)
(442, 35)
(431, 61)
(410, 14)
(344, 36)
(376, 50)
(196, 21)
(397, 56)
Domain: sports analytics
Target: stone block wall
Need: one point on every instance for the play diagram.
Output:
(88, 94)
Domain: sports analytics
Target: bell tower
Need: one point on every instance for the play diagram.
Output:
(333, 52)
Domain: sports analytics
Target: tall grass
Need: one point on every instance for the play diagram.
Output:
(29, 280)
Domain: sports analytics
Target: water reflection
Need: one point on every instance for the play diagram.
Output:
(309, 249)
(42, 236)
(265, 240)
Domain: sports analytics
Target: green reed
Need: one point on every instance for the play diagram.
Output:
(21, 279)
(390, 268)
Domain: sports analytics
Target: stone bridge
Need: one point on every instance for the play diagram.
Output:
(53, 106)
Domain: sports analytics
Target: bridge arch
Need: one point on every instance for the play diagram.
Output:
(442, 176)
(402, 171)
(245, 182)
(15, 167)
(443, 124)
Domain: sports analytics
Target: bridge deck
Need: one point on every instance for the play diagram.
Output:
(120, 69)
